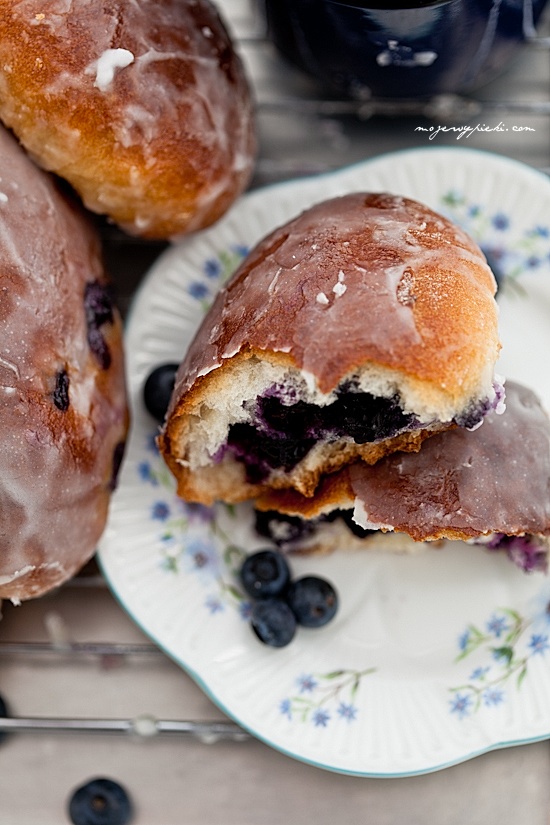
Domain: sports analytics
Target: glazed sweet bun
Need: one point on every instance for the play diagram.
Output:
(144, 107)
(363, 326)
(63, 412)
(490, 486)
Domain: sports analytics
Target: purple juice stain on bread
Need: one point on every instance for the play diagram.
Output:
(98, 306)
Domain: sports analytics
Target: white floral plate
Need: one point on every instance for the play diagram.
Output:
(432, 659)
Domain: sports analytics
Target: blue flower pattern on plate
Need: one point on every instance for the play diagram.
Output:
(324, 697)
(186, 546)
(491, 228)
(214, 272)
(506, 645)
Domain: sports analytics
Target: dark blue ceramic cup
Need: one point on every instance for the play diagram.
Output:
(364, 48)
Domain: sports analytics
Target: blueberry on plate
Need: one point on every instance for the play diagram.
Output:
(100, 802)
(313, 601)
(494, 257)
(273, 622)
(157, 390)
(265, 574)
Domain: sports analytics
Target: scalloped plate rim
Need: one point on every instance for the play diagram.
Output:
(273, 190)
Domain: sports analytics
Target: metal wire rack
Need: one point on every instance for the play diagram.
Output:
(294, 97)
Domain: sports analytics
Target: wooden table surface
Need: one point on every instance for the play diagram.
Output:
(176, 779)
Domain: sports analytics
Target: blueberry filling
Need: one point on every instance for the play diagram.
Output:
(61, 391)
(282, 435)
(473, 417)
(98, 307)
(286, 532)
(261, 453)
(356, 529)
(525, 551)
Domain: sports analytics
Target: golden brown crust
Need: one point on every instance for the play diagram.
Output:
(416, 296)
(166, 144)
(334, 492)
(62, 395)
(226, 480)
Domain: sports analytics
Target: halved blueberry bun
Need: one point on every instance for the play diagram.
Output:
(361, 327)
(489, 487)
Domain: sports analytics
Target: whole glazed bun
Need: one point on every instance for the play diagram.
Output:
(142, 105)
(493, 482)
(360, 327)
(63, 411)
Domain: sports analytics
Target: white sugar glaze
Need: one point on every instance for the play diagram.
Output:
(107, 64)
(55, 466)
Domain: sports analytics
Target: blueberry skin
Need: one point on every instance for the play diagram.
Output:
(265, 574)
(273, 622)
(157, 390)
(100, 802)
(61, 391)
(313, 601)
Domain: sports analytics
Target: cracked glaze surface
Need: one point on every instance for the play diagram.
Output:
(418, 299)
(63, 412)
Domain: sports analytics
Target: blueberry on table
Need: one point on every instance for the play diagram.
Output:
(4, 714)
(273, 622)
(265, 574)
(158, 389)
(313, 601)
(100, 802)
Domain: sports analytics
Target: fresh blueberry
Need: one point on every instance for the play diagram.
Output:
(100, 802)
(158, 389)
(313, 601)
(4, 714)
(273, 622)
(265, 574)
(494, 260)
